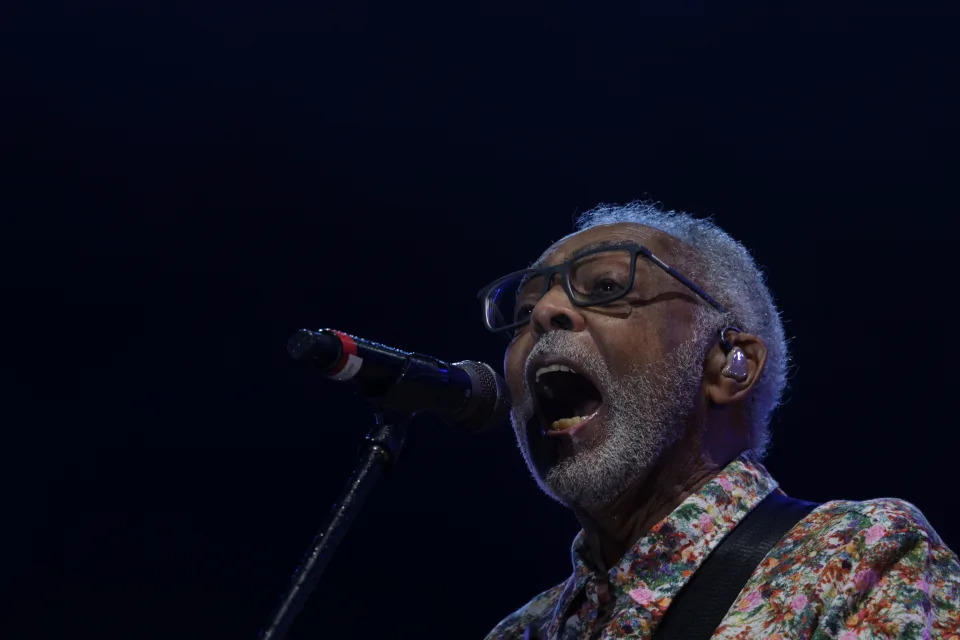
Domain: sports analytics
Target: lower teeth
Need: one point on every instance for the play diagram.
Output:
(566, 423)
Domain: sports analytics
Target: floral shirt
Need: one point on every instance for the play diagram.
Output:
(848, 570)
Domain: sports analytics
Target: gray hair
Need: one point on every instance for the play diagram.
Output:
(725, 269)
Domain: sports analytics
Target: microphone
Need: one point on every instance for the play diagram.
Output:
(469, 395)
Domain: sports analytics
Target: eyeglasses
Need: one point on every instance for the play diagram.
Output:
(596, 275)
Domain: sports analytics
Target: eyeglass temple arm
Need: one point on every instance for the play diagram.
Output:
(683, 279)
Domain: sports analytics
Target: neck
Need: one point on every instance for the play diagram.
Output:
(679, 472)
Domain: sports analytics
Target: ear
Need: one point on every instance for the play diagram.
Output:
(724, 390)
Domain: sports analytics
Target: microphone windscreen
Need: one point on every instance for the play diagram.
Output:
(489, 405)
(320, 348)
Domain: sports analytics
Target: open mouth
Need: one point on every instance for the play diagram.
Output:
(564, 397)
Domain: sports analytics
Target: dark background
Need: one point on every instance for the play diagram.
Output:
(185, 184)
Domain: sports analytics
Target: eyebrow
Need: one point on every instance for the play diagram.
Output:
(587, 248)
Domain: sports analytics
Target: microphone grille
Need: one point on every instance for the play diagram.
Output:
(489, 405)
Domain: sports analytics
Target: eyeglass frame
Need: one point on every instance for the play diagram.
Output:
(564, 270)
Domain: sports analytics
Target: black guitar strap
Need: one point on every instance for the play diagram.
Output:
(702, 603)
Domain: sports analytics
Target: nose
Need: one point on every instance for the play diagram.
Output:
(554, 311)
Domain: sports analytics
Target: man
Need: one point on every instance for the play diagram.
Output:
(647, 356)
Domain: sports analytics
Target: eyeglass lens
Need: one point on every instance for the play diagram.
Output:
(594, 279)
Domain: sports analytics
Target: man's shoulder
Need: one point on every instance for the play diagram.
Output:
(540, 608)
(874, 520)
(846, 561)
(855, 534)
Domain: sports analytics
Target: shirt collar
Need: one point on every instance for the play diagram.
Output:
(656, 567)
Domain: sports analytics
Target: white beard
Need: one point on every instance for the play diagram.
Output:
(644, 413)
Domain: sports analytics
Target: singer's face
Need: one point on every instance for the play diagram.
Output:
(597, 390)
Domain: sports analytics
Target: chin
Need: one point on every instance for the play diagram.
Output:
(580, 497)
(597, 475)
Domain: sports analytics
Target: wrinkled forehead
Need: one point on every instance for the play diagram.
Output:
(608, 234)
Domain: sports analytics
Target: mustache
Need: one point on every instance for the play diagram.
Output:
(563, 344)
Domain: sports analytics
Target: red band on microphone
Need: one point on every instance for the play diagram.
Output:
(349, 362)
(348, 348)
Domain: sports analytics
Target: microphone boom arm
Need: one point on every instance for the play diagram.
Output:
(382, 446)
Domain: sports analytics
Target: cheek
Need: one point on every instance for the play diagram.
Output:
(679, 327)
(638, 343)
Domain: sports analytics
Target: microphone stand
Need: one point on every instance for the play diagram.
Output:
(382, 446)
